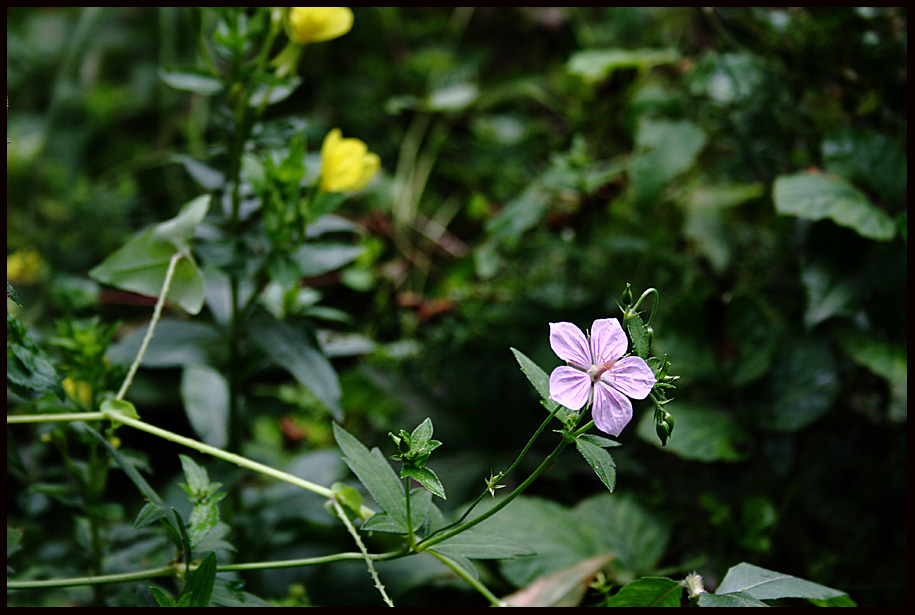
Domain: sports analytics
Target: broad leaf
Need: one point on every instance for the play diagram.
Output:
(765, 584)
(664, 150)
(481, 544)
(649, 591)
(318, 258)
(703, 434)
(814, 196)
(598, 64)
(738, 599)
(639, 334)
(141, 264)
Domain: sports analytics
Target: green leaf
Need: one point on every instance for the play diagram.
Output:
(12, 453)
(119, 406)
(804, 384)
(622, 525)
(198, 481)
(191, 80)
(205, 393)
(150, 513)
(29, 370)
(141, 264)
(729, 600)
(765, 584)
(884, 359)
(641, 344)
(156, 505)
(600, 460)
(161, 597)
(426, 478)
(598, 64)
(176, 343)
(664, 149)
(12, 294)
(294, 351)
(599, 441)
(814, 196)
(422, 434)
(480, 544)
(324, 203)
(541, 382)
(376, 474)
(702, 434)
(199, 585)
(649, 591)
(319, 258)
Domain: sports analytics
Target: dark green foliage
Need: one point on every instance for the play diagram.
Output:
(748, 163)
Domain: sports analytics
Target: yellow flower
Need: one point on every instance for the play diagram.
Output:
(313, 24)
(78, 390)
(23, 266)
(346, 164)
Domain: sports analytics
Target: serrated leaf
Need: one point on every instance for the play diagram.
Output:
(814, 196)
(541, 382)
(199, 585)
(150, 513)
(422, 434)
(600, 461)
(197, 478)
(294, 351)
(639, 334)
(649, 591)
(599, 441)
(425, 477)
(765, 584)
(376, 474)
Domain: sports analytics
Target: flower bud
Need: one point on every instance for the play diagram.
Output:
(346, 164)
(627, 296)
(314, 24)
(663, 432)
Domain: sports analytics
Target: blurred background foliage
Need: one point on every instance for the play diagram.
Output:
(748, 163)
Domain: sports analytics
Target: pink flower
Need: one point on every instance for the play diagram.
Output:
(597, 374)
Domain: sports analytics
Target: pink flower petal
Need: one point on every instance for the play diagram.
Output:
(631, 376)
(570, 344)
(608, 341)
(611, 411)
(570, 387)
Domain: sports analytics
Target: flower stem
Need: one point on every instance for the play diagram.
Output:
(428, 542)
(157, 313)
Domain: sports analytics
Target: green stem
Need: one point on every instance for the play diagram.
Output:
(504, 474)
(365, 554)
(157, 313)
(475, 583)
(425, 544)
(177, 570)
(411, 533)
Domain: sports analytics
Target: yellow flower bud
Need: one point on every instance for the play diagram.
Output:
(346, 164)
(313, 24)
(78, 390)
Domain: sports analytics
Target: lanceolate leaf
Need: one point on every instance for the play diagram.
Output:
(376, 474)
(293, 350)
(600, 460)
